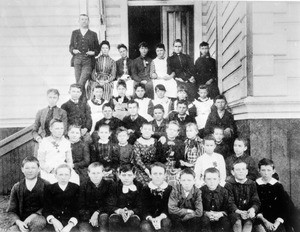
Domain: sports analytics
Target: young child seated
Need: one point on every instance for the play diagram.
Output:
(133, 122)
(221, 147)
(128, 207)
(101, 151)
(96, 104)
(215, 200)
(155, 197)
(26, 199)
(203, 106)
(182, 117)
(41, 126)
(78, 112)
(193, 146)
(244, 201)
(145, 103)
(80, 152)
(55, 150)
(145, 153)
(185, 203)
(123, 151)
(273, 212)
(61, 207)
(171, 151)
(209, 159)
(240, 147)
(161, 99)
(120, 102)
(220, 116)
(96, 200)
(159, 122)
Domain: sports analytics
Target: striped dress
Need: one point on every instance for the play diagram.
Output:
(105, 70)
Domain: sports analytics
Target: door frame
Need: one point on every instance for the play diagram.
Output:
(197, 16)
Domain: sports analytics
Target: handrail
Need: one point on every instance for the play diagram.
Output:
(15, 140)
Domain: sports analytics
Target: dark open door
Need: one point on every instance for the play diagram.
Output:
(177, 23)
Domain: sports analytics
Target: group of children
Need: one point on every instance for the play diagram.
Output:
(133, 163)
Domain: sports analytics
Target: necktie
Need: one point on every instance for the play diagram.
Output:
(125, 66)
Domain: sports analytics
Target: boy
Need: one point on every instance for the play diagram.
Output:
(185, 203)
(159, 122)
(78, 112)
(221, 117)
(159, 72)
(240, 147)
(141, 69)
(127, 210)
(96, 200)
(273, 212)
(155, 197)
(26, 199)
(244, 200)
(208, 160)
(160, 91)
(145, 103)
(215, 200)
(133, 122)
(221, 147)
(120, 101)
(61, 208)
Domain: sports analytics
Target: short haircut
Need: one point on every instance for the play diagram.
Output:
(121, 129)
(99, 87)
(220, 97)
(193, 125)
(127, 168)
(266, 162)
(141, 85)
(104, 126)
(95, 165)
(74, 126)
(132, 101)
(121, 83)
(104, 42)
(204, 44)
(211, 170)
(63, 166)
(160, 45)
(181, 88)
(242, 139)
(183, 102)
(55, 120)
(160, 87)
(203, 87)
(178, 41)
(143, 44)
(159, 106)
(173, 122)
(209, 138)
(121, 46)
(158, 164)
(30, 159)
(55, 91)
(147, 124)
(76, 86)
(107, 105)
(239, 162)
(218, 128)
(85, 15)
(187, 171)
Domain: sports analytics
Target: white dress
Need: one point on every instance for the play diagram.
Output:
(143, 108)
(203, 110)
(51, 154)
(96, 111)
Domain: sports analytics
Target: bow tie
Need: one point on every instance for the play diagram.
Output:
(125, 188)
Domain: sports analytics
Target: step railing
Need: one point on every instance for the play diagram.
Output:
(13, 150)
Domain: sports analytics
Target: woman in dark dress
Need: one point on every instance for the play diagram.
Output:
(206, 71)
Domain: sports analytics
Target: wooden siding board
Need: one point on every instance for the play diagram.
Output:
(233, 38)
(231, 12)
(231, 66)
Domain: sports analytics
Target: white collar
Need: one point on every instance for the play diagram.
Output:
(76, 102)
(148, 142)
(30, 183)
(241, 182)
(63, 187)
(164, 185)
(126, 188)
(123, 145)
(260, 181)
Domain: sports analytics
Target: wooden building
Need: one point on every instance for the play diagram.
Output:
(256, 45)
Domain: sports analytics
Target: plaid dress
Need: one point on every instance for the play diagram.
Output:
(193, 149)
(144, 156)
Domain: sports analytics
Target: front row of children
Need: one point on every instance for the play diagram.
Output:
(102, 205)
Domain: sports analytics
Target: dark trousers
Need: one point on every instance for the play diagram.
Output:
(83, 71)
(146, 226)
(223, 225)
(116, 223)
(190, 225)
(36, 224)
(102, 221)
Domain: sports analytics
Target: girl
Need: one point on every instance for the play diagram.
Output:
(120, 102)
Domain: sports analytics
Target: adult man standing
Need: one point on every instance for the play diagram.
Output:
(84, 46)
